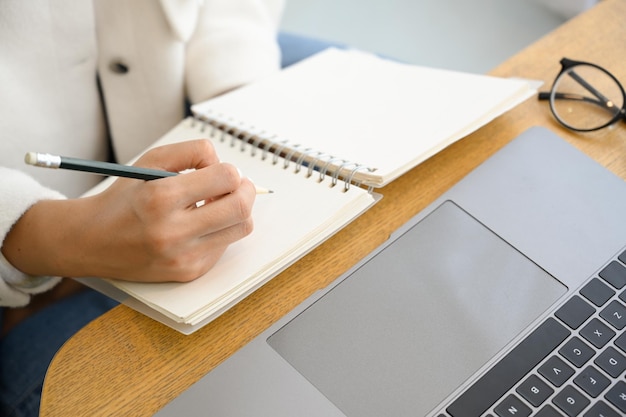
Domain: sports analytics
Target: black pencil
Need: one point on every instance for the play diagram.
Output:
(103, 168)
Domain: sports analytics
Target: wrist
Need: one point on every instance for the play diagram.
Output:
(39, 242)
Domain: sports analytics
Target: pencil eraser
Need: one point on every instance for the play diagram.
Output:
(31, 158)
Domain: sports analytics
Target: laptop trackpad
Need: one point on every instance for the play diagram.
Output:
(410, 325)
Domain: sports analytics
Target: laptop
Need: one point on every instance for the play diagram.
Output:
(505, 297)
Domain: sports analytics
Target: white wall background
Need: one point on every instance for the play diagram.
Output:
(465, 35)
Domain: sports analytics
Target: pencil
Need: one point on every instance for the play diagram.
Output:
(47, 160)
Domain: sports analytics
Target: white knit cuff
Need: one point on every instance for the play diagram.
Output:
(16, 286)
(17, 195)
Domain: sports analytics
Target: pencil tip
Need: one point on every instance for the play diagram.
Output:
(261, 190)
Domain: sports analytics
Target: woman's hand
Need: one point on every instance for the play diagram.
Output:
(140, 230)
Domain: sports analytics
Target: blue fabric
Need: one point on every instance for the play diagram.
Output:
(26, 351)
(296, 47)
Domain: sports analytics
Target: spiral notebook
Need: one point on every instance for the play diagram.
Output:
(367, 118)
(322, 134)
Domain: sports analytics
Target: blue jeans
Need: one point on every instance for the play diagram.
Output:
(26, 351)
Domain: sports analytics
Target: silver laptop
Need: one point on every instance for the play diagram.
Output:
(505, 297)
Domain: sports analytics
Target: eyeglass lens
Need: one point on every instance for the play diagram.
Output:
(585, 97)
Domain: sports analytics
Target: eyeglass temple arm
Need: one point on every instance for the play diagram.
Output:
(589, 87)
(545, 95)
(585, 84)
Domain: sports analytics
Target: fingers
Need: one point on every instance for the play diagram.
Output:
(209, 250)
(233, 209)
(209, 183)
(193, 154)
(226, 213)
(217, 180)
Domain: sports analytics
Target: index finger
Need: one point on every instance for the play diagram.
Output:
(177, 157)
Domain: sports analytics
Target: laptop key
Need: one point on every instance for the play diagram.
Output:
(575, 312)
(617, 396)
(548, 411)
(571, 401)
(620, 342)
(615, 274)
(600, 409)
(615, 314)
(577, 352)
(597, 333)
(597, 292)
(556, 371)
(534, 390)
(512, 407)
(611, 361)
(592, 381)
(509, 370)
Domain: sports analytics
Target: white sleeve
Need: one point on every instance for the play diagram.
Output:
(18, 192)
(234, 43)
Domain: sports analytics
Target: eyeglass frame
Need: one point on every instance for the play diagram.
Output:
(567, 64)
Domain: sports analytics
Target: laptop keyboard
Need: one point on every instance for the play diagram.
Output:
(573, 364)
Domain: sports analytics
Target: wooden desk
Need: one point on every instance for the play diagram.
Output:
(126, 364)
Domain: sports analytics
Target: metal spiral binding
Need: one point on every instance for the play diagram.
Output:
(281, 145)
(245, 140)
(324, 170)
(317, 161)
(301, 158)
(261, 140)
(266, 149)
(288, 158)
(337, 172)
(356, 169)
(256, 142)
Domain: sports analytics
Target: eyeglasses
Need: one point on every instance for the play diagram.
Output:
(586, 97)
